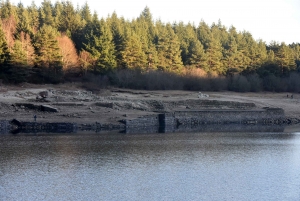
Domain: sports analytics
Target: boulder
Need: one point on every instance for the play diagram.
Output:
(48, 108)
(105, 104)
(43, 94)
(27, 105)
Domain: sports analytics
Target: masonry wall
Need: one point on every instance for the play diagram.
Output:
(229, 116)
(146, 121)
(169, 121)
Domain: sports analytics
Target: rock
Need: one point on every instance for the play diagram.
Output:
(47, 108)
(43, 94)
(105, 104)
(27, 105)
(201, 95)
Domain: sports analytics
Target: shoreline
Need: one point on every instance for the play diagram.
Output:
(110, 106)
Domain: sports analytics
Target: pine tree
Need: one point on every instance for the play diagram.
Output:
(196, 55)
(70, 19)
(133, 55)
(19, 70)
(48, 61)
(285, 59)
(242, 41)
(58, 15)
(145, 28)
(257, 55)
(24, 21)
(4, 51)
(214, 56)
(100, 45)
(117, 29)
(7, 10)
(204, 34)
(220, 31)
(168, 50)
(46, 14)
(33, 13)
(185, 33)
(296, 50)
(232, 57)
(86, 13)
(18, 55)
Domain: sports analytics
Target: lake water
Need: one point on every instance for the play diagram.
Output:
(181, 166)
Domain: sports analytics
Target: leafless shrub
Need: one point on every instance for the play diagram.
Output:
(255, 83)
(95, 83)
(273, 83)
(239, 83)
(293, 82)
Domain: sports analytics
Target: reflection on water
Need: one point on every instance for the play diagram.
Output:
(207, 128)
(175, 166)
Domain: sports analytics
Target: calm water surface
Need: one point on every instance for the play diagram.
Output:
(199, 166)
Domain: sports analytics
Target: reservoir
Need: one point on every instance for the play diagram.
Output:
(163, 166)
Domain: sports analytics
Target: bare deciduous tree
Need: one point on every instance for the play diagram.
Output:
(9, 27)
(68, 52)
(86, 60)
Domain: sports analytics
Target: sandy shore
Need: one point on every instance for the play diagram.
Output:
(75, 104)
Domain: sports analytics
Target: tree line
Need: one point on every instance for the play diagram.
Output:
(52, 43)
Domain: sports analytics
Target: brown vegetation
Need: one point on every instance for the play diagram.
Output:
(9, 28)
(68, 52)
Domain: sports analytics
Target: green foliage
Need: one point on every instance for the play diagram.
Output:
(168, 49)
(284, 58)
(85, 13)
(185, 34)
(24, 21)
(33, 13)
(48, 58)
(117, 28)
(100, 45)
(18, 55)
(4, 51)
(7, 10)
(70, 20)
(141, 45)
(133, 55)
(46, 14)
(196, 55)
(214, 56)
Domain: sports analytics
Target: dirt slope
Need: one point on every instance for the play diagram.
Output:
(75, 104)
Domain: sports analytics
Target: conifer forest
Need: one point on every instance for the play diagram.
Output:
(59, 42)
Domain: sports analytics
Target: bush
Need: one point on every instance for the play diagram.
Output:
(293, 83)
(95, 83)
(274, 84)
(239, 83)
(255, 83)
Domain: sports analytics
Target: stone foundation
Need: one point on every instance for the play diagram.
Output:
(187, 119)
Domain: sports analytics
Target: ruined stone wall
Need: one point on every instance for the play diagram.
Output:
(169, 121)
(4, 127)
(229, 116)
(146, 121)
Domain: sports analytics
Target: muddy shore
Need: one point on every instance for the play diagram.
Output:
(108, 106)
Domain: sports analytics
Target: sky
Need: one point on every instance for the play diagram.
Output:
(269, 20)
